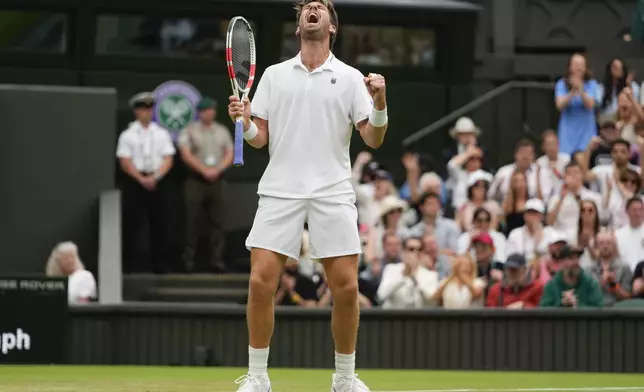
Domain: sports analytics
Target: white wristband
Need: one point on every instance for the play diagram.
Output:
(252, 132)
(378, 118)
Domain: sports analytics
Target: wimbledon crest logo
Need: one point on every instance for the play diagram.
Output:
(176, 105)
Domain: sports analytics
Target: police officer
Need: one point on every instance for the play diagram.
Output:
(145, 152)
(207, 149)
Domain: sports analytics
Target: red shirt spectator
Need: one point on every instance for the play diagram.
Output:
(517, 290)
(504, 296)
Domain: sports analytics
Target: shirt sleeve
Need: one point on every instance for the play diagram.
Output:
(595, 297)
(462, 244)
(226, 138)
(594, 91)
(560, 89)
(362, 102)
(168, 147)
(551, 296)
(260, 103)
(184, 138)
(626, 280)
(513, 245)
(392, 280)
(639, 272)
(124, 147)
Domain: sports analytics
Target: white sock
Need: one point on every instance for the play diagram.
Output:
(257, 361)
(345, 365)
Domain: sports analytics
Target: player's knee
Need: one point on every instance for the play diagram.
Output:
(263, 282)
(345, 292)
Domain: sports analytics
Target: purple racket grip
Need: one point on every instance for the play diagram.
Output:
(239, 144)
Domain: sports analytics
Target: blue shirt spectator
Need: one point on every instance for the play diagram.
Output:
(577, 122)
(576, 96)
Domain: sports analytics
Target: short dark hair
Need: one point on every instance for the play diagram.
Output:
(630, 173)
(406, 241)
(524, 143)
(621, 141)
(481, 210)
(572, 164)
(546, 133)
(429, 195)
(632, 201)
(300, 4)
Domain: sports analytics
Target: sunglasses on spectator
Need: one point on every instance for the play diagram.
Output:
(629, 181)
(413, 249)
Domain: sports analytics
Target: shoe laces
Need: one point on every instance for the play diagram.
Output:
(349, 384)
(247, 379)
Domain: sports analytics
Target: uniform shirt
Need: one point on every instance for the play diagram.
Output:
(311, 116)
(208, 143)
(147, 147)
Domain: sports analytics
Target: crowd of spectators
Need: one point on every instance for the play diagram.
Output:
(561, 226)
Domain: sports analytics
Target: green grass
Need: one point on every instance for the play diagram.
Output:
(184, 379)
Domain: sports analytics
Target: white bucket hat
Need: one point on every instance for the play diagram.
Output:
(464, 125)
(392, 203)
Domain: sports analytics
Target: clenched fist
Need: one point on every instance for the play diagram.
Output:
(377, 89)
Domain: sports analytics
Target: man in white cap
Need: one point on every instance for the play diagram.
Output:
(145, 152)
(530, 239)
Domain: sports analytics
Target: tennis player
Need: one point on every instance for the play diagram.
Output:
(305, 109)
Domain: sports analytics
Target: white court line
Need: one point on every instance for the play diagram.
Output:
(598, 389)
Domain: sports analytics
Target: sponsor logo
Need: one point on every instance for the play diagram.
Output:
(31, 285)
(175, 105)
(14, 341)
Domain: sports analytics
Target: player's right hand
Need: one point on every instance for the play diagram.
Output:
(237, 109)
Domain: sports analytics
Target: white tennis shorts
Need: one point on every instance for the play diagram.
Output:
(332, 221)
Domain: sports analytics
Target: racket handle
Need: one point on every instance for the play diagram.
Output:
(239, 143)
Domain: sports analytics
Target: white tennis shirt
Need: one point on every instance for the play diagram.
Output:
(311, 116)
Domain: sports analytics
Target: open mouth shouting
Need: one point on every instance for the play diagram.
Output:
(312, 18)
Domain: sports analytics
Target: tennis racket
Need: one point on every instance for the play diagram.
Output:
(240, 60)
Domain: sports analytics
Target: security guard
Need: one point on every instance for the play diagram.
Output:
(145, 152)
(207, 149)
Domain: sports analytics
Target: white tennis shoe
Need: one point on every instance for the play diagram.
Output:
(348, 384)
(248, 383)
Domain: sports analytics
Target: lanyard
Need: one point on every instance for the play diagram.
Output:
(145, 137)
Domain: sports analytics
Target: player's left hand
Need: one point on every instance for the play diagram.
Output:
(376, 85)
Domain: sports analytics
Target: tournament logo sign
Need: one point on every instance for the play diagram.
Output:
(176, 105)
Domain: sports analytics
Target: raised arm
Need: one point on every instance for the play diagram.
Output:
(373, 126)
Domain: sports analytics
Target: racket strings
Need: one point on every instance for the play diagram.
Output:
(241, 53)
